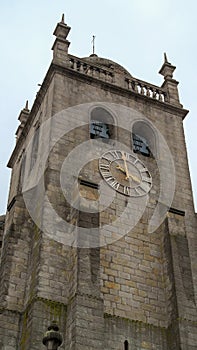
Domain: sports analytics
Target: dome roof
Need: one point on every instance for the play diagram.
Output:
(106, 64)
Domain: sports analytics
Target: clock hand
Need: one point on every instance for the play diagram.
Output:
(125, 164)
(135, 178)
(120, 168)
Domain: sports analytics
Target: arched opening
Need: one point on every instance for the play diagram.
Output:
(101, 124)
(126, 345)
(35, 145)
(143, 139)
(22, 172)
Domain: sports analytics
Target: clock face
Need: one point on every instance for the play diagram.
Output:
(125, 173)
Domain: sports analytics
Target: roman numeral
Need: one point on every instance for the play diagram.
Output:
(104, 167)
(110, 178)
(114, 154)
(115, 185)
(146, 179)
(144, 170)
(106, 174)
(137, 191)
(144, 187)
(125, 156)
(135, 161)
(126, 190)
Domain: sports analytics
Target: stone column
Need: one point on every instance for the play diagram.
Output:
(85, 316)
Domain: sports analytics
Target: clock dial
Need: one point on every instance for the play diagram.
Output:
(125, 173)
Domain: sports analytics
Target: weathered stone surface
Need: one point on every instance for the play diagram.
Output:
(140, 288)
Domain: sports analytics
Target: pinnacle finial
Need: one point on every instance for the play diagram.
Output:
(165, 58)
(27, 105)
(62, 21)
(60, 50)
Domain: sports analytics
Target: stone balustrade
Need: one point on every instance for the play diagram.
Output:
(135, 85)
(148, 90)
(91, 70)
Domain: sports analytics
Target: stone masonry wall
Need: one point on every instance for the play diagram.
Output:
(135, 288)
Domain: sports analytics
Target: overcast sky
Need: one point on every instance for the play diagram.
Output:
(134, 33)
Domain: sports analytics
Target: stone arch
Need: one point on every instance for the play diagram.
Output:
(144, 138)
(102, 124)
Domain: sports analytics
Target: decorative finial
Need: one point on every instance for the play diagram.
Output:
(165, 58)
(62, 21)
(61, 44)
(27, 105)
(93, 44)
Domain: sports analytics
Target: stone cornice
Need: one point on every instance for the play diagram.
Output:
(174, 109)
(106, 85)
(36, 105)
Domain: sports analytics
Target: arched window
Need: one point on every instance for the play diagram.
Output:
(101, 124)
(140, 145)
(126, 345)
(22, 172)
(35, 144)
(143, 139)
(99, 129)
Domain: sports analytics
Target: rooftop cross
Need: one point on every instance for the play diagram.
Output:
(93, 44)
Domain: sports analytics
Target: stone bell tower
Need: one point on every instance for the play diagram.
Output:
(108, 251)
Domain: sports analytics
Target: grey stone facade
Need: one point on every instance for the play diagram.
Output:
(140, 288)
